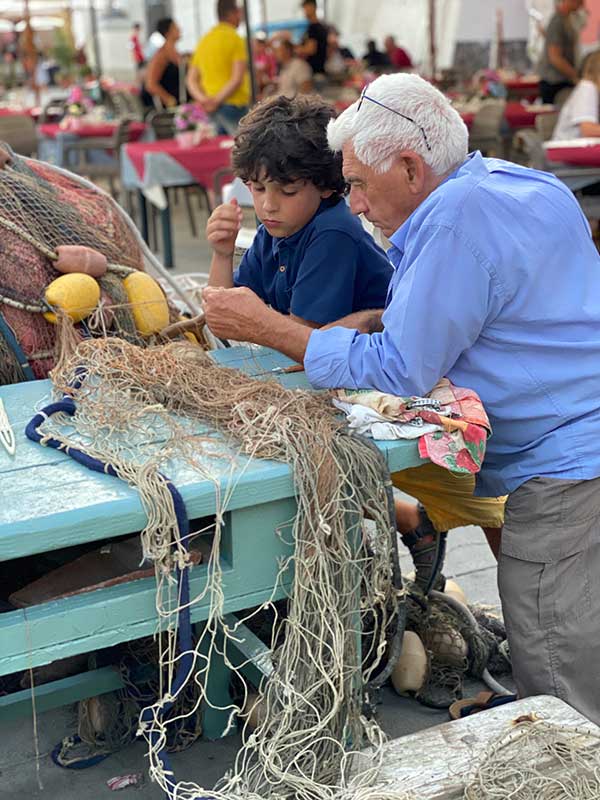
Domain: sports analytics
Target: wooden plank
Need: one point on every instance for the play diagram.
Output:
(79, 624)
(435, 763)
(60, 693)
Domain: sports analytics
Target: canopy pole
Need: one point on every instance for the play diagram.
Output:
(95, 41)
(432, 47)
(253, 88)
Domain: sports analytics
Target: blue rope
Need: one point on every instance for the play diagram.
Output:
(184, 631)
(11, 340)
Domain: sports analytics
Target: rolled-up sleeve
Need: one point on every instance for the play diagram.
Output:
(447, 292)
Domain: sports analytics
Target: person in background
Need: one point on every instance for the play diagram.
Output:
(218, 73)
(557, 65)
(374, 58)
(265, 62)
(336, 66)
(579, 116)
(295, 75)
(163, 78)
(398, 57)
(314, 42)
(135, 46)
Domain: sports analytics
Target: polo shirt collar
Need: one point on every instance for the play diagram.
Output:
(286, 241)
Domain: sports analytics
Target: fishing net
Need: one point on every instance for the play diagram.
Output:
(139, 411)
(538, 759)
(459, 641)
(42, 208)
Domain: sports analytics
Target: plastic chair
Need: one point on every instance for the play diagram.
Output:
(486, 131)
(545, 124)
(18, 131)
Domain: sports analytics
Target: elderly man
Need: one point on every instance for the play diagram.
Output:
(497, 286)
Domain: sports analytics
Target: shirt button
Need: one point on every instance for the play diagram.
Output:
(282, 269)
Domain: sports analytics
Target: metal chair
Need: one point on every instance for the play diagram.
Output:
(162, 124)
(486, 130)
(163, 127)
(18, 130)
(111, 145)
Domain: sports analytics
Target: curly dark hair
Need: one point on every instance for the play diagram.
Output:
(287, 141)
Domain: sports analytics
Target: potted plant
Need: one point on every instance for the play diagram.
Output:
(192, 125)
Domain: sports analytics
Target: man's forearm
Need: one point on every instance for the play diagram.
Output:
(284, 334)
(364, 321)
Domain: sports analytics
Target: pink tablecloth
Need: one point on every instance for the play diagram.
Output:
(51, 129)
(588, 156)
(201, 161)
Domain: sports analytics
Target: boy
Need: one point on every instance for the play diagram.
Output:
(311, 258)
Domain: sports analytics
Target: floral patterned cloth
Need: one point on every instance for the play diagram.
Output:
(461, 424)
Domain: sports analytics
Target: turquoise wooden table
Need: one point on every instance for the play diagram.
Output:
(48, 501)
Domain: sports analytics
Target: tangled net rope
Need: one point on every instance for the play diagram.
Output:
(537, 759)
(138, 410)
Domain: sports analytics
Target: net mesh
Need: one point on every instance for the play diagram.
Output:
(142, 411)
(40, 209)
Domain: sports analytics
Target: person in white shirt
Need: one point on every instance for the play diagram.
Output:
(295, 74)
(580, 115)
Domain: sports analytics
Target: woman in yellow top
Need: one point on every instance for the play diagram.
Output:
(218, 73)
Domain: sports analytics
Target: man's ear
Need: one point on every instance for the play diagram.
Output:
(414, 169)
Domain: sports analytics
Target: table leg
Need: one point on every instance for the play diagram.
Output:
(165, 219)
(143, 215)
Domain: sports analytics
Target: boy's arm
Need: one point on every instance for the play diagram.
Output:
(221, 231)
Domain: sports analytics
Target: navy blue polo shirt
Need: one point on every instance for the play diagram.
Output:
(329, 268)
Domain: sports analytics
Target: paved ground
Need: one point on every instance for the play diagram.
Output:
(469, 561)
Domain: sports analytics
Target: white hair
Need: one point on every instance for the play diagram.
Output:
(376, 133)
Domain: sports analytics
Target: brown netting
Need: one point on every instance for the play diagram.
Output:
(40, 209)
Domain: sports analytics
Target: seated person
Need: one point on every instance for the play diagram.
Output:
(311, 258)
(579, 116)
(375, 59)
(295, 75)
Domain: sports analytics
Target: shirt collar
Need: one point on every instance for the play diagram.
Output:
(473, 163)
(279, 242)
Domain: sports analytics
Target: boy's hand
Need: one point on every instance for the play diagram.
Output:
(223, 226)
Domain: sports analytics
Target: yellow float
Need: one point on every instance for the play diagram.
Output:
(148, 303)
(76, 294)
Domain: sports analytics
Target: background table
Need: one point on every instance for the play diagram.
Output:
(576, 163)
(53, 140)
(152, 167)
(49, 501)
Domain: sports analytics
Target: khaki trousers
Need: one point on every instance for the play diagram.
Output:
(549, 581)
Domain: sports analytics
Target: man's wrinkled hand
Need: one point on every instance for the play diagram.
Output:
(236, 314)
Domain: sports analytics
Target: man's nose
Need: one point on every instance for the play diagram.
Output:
(358, 204)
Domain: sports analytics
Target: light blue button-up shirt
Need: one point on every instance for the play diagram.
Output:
(497, 286)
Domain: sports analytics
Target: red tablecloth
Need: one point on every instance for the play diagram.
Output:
(529, 89)
(588, 156)
(102, 129)
(201, 161)
(516, 115)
